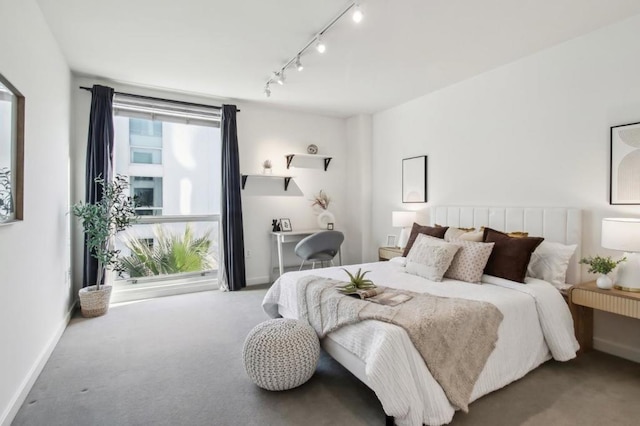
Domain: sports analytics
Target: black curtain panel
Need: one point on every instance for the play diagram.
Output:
(99, 162)
(232, 252)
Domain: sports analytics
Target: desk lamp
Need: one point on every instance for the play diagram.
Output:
(403, 220)
(624, 234)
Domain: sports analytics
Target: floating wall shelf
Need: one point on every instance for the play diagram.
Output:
(326, 159)
(287, 179)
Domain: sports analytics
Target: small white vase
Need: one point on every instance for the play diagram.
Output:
(325, 218)
(604, 282)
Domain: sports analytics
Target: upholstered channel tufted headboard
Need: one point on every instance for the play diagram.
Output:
(562, 225)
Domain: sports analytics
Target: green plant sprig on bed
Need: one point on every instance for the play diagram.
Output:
(601, 265)
(357, 282)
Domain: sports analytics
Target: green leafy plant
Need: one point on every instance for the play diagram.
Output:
(170, 254)
(357, 282)
(601, 265)
(115, 212)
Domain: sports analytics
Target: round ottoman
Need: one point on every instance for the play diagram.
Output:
(281, 354)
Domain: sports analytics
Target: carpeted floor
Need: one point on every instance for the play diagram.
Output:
(177, 361)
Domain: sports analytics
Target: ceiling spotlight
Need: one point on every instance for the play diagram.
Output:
(299, 66)
(280, 78)
(357, 13)
(320, 46)
(267, 91)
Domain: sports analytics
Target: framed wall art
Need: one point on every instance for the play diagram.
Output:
(624, 181)
(11, 152)
(414, 179)
(285, 225)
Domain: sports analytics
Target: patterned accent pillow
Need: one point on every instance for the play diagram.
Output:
(468, 264)
(430, 257)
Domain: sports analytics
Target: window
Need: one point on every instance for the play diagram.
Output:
(173, 165)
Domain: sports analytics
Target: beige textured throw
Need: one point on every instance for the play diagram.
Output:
(454, 336)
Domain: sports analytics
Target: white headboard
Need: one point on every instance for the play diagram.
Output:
(562, 225)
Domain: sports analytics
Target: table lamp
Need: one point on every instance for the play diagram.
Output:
(624, 234)
(405, 221)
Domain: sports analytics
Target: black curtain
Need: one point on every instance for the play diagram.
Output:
(232, 254)
(99, 162)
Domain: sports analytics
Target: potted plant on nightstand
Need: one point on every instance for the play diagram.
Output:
(115, 212)
(602, 266)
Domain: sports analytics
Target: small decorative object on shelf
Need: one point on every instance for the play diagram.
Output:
(602, 266)
(266, 167)
(312, 149)
(330, 226)
(275, 225)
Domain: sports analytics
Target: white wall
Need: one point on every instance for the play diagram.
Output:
(265, 133)
(358, 245)
(534, 132)
(35, 298)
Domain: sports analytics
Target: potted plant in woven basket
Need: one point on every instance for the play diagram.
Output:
(115, 212)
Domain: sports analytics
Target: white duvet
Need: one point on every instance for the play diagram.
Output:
(537, 324)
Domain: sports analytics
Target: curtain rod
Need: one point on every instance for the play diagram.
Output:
(151, 98)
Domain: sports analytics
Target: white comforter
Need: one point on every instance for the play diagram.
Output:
(537, 323)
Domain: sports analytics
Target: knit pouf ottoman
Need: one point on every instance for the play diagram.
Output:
(281, 354)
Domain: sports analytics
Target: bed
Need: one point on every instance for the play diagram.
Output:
(536, 325)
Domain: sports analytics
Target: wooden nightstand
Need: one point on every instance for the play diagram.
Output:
(584, 298)
(386, 253)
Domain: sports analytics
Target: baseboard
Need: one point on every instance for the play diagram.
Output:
(19, 397)
(617, 349)
(258, 280)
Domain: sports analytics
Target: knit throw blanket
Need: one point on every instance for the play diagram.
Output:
(454, 336)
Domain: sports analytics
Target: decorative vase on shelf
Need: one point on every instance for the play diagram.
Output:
(604, 282)
(325, 218)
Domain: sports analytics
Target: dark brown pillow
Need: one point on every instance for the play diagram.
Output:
(427, 230)
(510, 256)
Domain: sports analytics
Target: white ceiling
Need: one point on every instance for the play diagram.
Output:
(401, 50)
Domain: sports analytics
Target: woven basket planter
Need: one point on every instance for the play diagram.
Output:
(94, 303)
(281, 354)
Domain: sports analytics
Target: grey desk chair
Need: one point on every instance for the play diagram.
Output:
(319, 247)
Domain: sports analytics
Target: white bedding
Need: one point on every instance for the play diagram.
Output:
(537, 325)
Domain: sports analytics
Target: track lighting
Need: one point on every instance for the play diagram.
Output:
(320, 46)
(279, 76)
(357, 13)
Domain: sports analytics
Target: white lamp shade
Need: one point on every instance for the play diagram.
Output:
(402, 219)
(621, 234)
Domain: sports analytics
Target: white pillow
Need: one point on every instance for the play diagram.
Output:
(468, 264)
(430, 257)
(402, 261)
(549, 262)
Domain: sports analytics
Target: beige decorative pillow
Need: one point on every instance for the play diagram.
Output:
(468, 264)
(458, 233)
(430, 257)
(476, 236)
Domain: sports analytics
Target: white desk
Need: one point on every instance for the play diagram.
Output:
(280, 238)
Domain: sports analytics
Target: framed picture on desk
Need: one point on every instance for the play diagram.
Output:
(285, 225)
